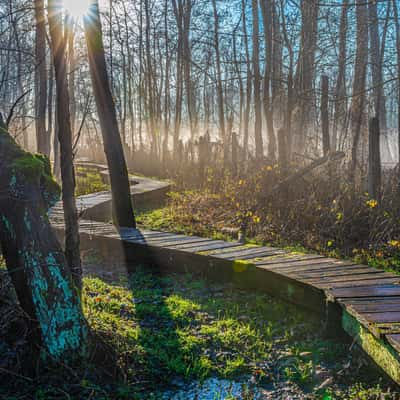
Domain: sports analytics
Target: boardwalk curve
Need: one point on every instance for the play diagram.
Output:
(363, 300)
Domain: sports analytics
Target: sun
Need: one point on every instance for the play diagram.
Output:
(77, 8)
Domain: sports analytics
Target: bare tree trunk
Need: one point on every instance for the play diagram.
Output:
(374, 165)
(220, 93)
(340, 112)
(248, 85)
(257, 79)
(267, 12)
(397, 24)
(360, 72)
(122, 204)
(325, 115)
(72, 241)
(43, 141)
(305, 73)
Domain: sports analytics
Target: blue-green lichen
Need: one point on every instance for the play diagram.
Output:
(60, 318)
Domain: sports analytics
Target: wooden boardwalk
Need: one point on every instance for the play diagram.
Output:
(362, 300)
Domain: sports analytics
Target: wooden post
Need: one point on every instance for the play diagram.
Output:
(234, 154)
(283, 150)
(374, 165)
(325, 114)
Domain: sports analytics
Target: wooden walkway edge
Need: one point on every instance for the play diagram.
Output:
(364, 301)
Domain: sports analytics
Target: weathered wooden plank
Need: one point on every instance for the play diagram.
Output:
(369, 291)
(249, 253)
(356, 283)
(376, 307)
(228, 250)
(191, 245)
(353, 277)
(394, 340)
(383, 317)
(176, 242)
(221, 245)
(305, 267)
(338, 272)
(289, 258)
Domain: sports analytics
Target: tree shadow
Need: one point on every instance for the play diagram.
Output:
(163, 357)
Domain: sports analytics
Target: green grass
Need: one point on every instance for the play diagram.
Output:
(154, 330)
(163, 327)
(88, 180)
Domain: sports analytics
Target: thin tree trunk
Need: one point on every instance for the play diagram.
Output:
(122, 204)
(257, 80)
(43, 141)
(267, 12)
(58, 46)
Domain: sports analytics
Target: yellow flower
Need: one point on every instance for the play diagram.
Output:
(268, 168)
(256, 219)
(372, 203)
(330, 243)
(339, 216)
(394, 243)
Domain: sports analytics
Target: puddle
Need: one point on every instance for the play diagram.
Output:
(215, 389)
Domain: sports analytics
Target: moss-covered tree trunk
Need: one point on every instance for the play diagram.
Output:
(35, 260)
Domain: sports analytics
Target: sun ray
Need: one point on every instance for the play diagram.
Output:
(77, 8)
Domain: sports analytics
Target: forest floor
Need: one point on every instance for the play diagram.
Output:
(181, 338)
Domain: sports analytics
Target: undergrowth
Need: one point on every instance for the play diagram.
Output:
(150, 332)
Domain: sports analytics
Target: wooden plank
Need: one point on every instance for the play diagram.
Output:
(353, 277)
(177, 242)
(369, 291)
(251, 259)
(228, 250)
(216, 245)
(354, 284)
(383, 317)
(394, 340)
(302, 263)
(289, 258)
(305, 267)
(190, 245)
(376, 307)
(339, 272)
(248, 253)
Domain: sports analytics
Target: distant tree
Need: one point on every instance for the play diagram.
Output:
(257, 82)
(42, 138)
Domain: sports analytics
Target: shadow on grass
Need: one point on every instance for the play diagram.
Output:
(163, 356)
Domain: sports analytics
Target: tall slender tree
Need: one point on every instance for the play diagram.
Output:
(58, 46)
(122, 204)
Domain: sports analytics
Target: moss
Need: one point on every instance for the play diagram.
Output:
(29, 165)
(383, 354)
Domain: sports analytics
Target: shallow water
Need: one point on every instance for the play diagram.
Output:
(215, 389)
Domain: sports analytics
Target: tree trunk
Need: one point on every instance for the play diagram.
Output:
(257, 79)
(58, 46)
(43, 141)
(34, 258)
(360, 72)
(340, 95)
(374, 165)
(122, 204)
(325, 115)
(306, 71)
(220, 93)
(267, 12)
